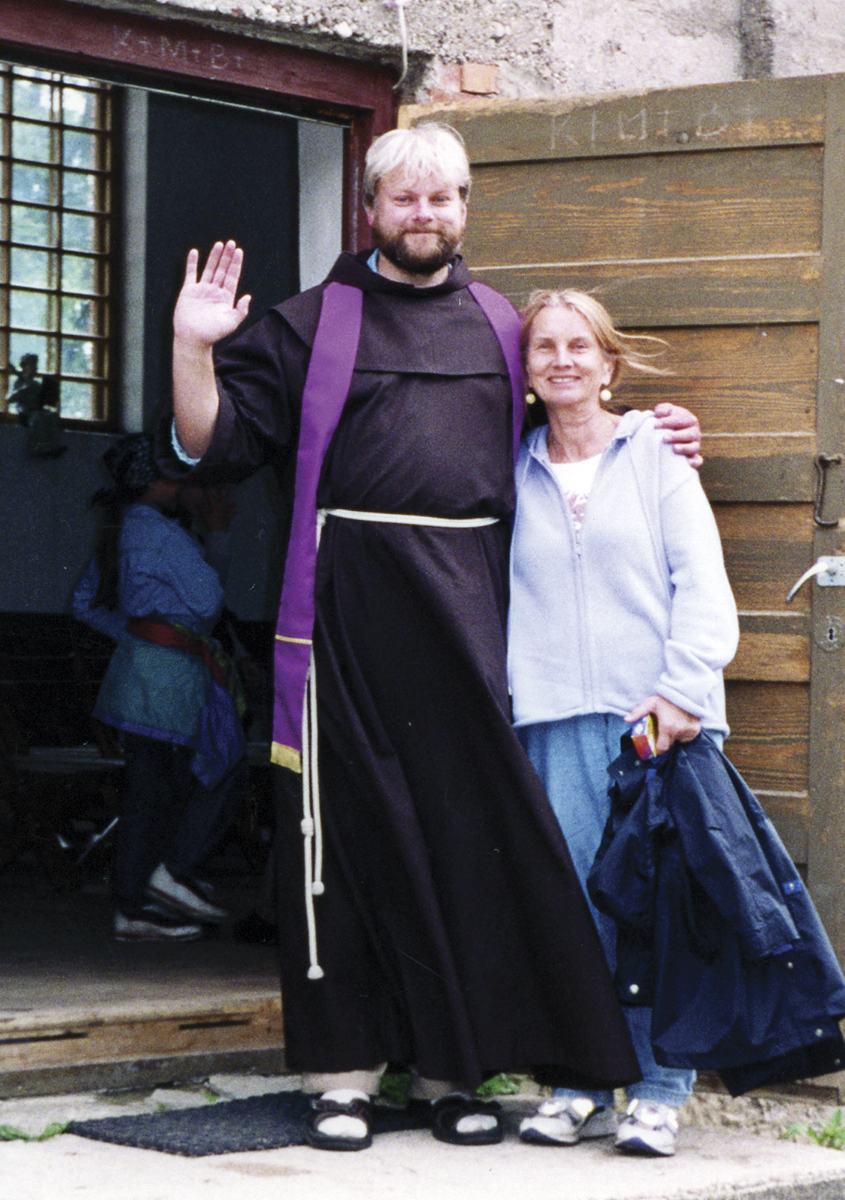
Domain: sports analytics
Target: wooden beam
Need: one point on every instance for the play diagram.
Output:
(748, 113)
(66, 1038)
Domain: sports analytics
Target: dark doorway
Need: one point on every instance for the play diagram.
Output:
(215, 171)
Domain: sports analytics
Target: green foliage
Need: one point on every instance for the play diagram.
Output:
(394, 1086)
(8, 1133)
(831, 1134)
(499, 1085)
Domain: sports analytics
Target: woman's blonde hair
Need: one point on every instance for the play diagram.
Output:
(617, 346)
(428, 149)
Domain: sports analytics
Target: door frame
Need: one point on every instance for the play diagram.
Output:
(198, 58)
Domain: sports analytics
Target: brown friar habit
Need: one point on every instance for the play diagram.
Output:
(453, 933)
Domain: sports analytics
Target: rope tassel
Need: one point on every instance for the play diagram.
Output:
(312, 828)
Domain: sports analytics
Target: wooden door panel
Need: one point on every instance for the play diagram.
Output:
(739, 379)
(668, 121)
(734, 202)
(682, 291)
(766, 548)
(769, 730)
(774, 656)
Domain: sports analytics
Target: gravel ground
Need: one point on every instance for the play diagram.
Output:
(768, 1115)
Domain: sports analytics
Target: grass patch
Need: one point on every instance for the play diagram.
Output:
(8, 1133)
(395, 1085)
(499, 1085)
(830, 1135)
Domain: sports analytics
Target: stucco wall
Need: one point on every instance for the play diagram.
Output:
(524, 48)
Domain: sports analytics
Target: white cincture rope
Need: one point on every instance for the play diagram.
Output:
(406, 519)
(312, 827)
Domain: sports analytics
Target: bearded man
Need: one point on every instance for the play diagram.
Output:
(428, 910)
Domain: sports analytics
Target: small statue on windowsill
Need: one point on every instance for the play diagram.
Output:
(36, 401)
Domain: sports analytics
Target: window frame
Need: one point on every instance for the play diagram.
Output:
(103, 253)
(206, 57)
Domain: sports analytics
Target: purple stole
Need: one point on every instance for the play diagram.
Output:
(327, 385)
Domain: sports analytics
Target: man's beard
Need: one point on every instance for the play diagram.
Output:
(400, 250)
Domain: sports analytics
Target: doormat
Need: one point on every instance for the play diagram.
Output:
(268, 1122)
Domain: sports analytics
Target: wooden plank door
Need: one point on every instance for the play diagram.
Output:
(714, 217)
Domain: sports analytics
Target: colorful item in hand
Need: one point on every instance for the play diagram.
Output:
(644, 736)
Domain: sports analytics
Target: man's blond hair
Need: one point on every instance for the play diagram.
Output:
(425, 150)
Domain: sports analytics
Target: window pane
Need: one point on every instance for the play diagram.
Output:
(79, 149)
(30, 310)
(30, 97)
(31, 141)
(79, 107)
(55, 231)
(77, 357)
(30, 343)
(79, 232)
(80, 191)
(79, 275)
(32, 184)
(34, 268)
(78, 400)
(33, 226)
(77, 316)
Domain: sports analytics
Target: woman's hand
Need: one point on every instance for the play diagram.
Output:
(673, 723)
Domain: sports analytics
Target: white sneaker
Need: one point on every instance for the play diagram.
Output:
(649, 1128)
(181, 896)
(568, 1120)
(153, 926)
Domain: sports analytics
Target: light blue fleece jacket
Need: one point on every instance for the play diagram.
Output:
(636, 603)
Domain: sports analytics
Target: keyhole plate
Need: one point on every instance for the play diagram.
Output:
(830, 633)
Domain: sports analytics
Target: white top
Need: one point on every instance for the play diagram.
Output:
(575, 480)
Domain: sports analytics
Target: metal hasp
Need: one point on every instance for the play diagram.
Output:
(829, 570)
(821, 462)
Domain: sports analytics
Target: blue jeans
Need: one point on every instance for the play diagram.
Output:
(572, 757)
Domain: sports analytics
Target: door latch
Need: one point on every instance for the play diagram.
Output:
(829, 570)
(822, 462)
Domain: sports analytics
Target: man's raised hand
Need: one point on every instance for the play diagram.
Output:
(207, 309)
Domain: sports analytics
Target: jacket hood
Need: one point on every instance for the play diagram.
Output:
(302, 311)
(353, 269)
(536, 441)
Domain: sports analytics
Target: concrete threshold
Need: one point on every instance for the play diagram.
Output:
(711, 1164)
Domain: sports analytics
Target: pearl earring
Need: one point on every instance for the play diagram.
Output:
(605, 395)
(530, 398)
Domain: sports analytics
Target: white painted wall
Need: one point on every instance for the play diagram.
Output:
(320, 199)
